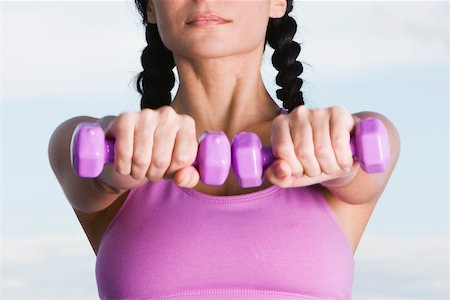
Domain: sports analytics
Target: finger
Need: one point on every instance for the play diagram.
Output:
(340, 139)
(123, 131)
(304, 148)
(186, 177)
(163, 143)
(282, 145)
(185, 149)
(143, 143)
(283, 179)
(323, 149)
(194, 179)
(306, 180)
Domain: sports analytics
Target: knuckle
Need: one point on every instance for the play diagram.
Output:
(152, 178)
(305, 155)
(122, 168)
(188, 120)
(140, 159)
(345, 160)
(300, 111)
(346, 164)
(181, 159)
(124, 156)
(279, 120)
(165, 108)
(122, 116)
(281, 150)
(331, 171)
(149, 175)
(318, 112)
(160, 162)
(147, 111)
(166, 111)
(338, 110)
(275, 121)
(302, 152)
(138, 175)
(339, 142)
(314, 172)
(126, 117)
(147, 114)
(321, 151)
(152, 174)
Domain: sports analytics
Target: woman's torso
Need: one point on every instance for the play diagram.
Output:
(167, 241)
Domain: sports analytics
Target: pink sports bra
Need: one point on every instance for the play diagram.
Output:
(170, 242)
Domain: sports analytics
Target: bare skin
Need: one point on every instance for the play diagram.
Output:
(221, 88)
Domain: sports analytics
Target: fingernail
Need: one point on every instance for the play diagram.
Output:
(184, 180)
(279, 171)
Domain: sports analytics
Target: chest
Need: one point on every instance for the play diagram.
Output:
(182, 244)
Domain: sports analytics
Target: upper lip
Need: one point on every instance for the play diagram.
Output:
(206, 17)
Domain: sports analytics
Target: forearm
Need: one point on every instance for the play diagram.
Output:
(84, 194)
(347, 188)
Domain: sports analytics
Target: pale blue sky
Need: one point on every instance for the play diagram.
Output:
(65, 59)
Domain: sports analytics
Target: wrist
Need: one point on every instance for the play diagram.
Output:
(108, 188)
(344, 180)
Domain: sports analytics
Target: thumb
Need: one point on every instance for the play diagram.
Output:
(278, 172)
(187, 177)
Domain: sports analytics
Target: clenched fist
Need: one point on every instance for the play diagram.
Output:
(311, 146)
(155, 144)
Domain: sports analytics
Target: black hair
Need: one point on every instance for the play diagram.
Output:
(157, 79)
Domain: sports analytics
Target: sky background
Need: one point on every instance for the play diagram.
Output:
(64, 59)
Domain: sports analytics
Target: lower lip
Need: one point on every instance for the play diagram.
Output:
(206, 23)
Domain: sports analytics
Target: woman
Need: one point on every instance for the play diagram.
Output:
(292, 237)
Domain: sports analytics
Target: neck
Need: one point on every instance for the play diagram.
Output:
(224, 94)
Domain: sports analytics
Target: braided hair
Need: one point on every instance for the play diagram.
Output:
(157, 79)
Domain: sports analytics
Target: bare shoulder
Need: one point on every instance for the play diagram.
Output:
(94, 203)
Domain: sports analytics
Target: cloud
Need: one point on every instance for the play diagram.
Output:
(349, 37)
(51, 266)
(402, 268)
(69, 49)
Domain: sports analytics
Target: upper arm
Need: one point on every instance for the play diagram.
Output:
(354, 203)
(94, 204)
(95, 223)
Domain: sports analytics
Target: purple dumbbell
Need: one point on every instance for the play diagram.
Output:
(90, 151)
(369, 145)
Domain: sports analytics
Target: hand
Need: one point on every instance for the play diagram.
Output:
(312, 146)
(154, 144)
